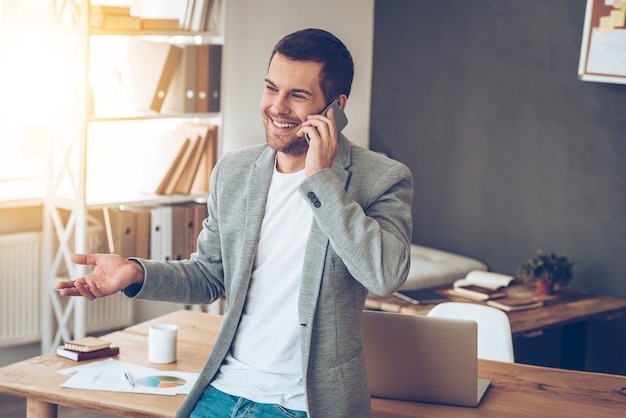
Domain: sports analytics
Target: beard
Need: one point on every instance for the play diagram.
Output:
(294, 145)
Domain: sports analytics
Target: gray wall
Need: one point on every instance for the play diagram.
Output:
(511, 153)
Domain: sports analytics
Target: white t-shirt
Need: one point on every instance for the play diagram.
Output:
(264, 363)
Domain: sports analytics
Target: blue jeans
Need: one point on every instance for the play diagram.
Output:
(217, 404)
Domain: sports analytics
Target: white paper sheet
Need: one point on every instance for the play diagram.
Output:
(607, 53)
(108, 375)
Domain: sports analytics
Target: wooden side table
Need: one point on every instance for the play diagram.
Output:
(572, 311)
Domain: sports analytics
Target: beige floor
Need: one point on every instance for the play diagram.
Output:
(12, 407)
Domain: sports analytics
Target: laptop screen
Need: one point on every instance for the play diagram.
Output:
(420, 358)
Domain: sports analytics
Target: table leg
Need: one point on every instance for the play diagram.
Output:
(39, 409)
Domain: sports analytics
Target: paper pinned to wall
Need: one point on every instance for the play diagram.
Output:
(603, 46)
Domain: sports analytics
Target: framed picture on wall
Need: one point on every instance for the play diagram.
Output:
(603, 46)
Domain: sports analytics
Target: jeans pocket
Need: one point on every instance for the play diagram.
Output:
(290, 413)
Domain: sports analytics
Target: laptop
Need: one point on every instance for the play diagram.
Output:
(422, 358)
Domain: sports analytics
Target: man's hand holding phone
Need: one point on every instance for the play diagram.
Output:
(323, 144)
(338, 116)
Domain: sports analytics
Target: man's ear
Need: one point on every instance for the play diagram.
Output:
(343, 100)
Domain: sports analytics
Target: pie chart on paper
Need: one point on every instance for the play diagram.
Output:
(161, 382)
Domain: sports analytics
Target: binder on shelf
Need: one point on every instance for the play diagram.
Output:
(215, 77)
(181, 216)
(199, 213)
(187, 221)
(120, 231)
(127, 230)
(152, 66)
(142, 231)
(196, 84)
(161, 233)
(183, 91)
(142, 234)
(202, 79)
(195, 213)
(189, 78)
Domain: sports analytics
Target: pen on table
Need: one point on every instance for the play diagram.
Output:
(129, 378)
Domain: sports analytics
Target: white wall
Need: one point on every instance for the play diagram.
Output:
(252, 29)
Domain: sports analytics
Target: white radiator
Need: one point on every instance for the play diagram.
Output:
(21, 289)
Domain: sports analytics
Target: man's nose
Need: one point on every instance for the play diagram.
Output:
(280, 106)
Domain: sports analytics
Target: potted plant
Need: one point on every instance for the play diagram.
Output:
(548, 271)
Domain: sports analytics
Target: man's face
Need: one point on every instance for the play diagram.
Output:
(292, 92)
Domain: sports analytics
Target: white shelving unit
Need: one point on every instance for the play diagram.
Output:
(70, 198)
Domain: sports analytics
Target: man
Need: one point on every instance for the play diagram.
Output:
(297, 234)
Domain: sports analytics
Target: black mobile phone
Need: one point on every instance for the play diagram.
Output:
(341, 120)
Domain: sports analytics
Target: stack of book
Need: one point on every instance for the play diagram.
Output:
(113, 17)
(120, 18)
(496, 290)
(202, 15)
(180, 161)
(194, 15)
(524, 296)
(482, 285)
(511, 304)
(87, 348)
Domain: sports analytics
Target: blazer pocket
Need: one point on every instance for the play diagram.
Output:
(348, 358)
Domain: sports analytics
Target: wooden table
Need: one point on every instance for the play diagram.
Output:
(516, 389)
(571, 311)
(575, 306)
(36, 379)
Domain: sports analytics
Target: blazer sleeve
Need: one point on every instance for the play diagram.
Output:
(367, 219)
(199, 280)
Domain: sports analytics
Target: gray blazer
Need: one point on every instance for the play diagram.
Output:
(359, 242)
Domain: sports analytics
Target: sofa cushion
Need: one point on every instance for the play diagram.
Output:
(432, 268)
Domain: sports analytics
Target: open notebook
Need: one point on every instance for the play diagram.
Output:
(421, 358)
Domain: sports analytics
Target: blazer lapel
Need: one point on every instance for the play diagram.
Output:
(259, 180)
(314, 259)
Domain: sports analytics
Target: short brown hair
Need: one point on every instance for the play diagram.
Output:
(320, 46)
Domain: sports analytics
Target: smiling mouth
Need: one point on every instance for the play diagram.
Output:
(285, 125)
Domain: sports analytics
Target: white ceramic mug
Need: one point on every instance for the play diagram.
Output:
(162, 343)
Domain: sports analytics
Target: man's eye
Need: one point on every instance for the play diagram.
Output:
(270, 87)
